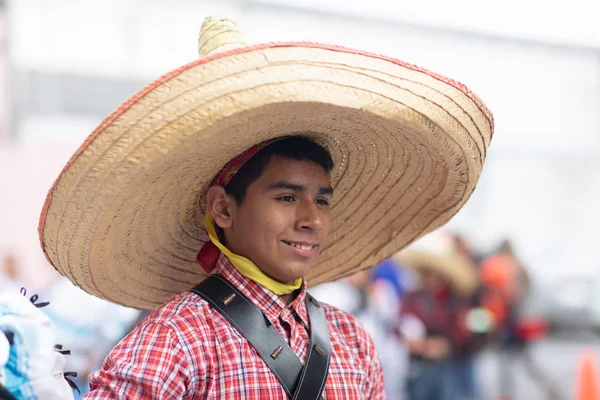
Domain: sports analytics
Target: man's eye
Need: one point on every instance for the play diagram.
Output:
(286, 198)
(322, 202)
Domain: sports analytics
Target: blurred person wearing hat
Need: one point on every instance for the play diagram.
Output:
(232, 162)
(441, 327)
(465, 248)
(506, 284)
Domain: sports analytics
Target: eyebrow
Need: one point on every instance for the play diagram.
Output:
(299, 188)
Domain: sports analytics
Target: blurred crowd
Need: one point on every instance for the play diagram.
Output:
(431, 311)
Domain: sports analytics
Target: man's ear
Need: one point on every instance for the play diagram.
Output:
(219, 206)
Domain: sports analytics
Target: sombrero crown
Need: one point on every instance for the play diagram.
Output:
(124, 220)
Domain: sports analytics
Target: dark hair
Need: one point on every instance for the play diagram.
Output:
(294, 147)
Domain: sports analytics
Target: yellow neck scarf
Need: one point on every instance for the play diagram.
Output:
(246, 267)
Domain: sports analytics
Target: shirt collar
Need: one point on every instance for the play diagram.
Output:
(268, 302)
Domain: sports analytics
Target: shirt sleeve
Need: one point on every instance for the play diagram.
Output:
(148, 364)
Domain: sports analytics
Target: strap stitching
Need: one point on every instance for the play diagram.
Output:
(303, 373)
(324, 379)
(305, 369)
(310, 353)
(321, 314)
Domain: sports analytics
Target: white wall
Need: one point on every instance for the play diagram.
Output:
(571, 23)
(27, 171)
(541, 96)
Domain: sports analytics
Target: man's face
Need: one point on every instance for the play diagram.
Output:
(283, 221)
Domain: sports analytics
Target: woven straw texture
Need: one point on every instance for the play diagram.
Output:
(124, 220)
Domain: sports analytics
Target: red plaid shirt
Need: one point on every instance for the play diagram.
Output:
(185, 349)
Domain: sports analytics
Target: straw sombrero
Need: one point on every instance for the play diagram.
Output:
(452, 267)
(124, 220)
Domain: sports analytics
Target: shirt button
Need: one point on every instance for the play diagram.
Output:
(285, 314)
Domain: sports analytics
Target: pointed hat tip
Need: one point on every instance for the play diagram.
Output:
(217, 34)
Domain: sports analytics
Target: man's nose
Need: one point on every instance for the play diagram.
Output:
(310, 217)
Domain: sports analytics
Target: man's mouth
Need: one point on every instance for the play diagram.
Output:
(301, 245)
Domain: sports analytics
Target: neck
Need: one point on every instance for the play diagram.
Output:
(288, 298)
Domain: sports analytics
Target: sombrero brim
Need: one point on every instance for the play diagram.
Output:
(454, 269)
(124, 220)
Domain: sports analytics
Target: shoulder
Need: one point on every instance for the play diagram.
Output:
(350, 330)
(353, 349)
(186, 316)
(341, 319)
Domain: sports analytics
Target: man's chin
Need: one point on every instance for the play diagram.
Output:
(295, 272)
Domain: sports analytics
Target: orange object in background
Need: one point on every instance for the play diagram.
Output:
(499, 273)
(587, 378)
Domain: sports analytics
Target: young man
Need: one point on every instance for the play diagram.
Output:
(275, 212)
(238, 155)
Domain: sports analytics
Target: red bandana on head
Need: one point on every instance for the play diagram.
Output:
(209, 253)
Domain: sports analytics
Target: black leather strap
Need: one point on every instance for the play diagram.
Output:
(298, 381)
(314, 374)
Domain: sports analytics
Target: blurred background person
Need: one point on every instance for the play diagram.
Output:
(506, 286)
(436, 324)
